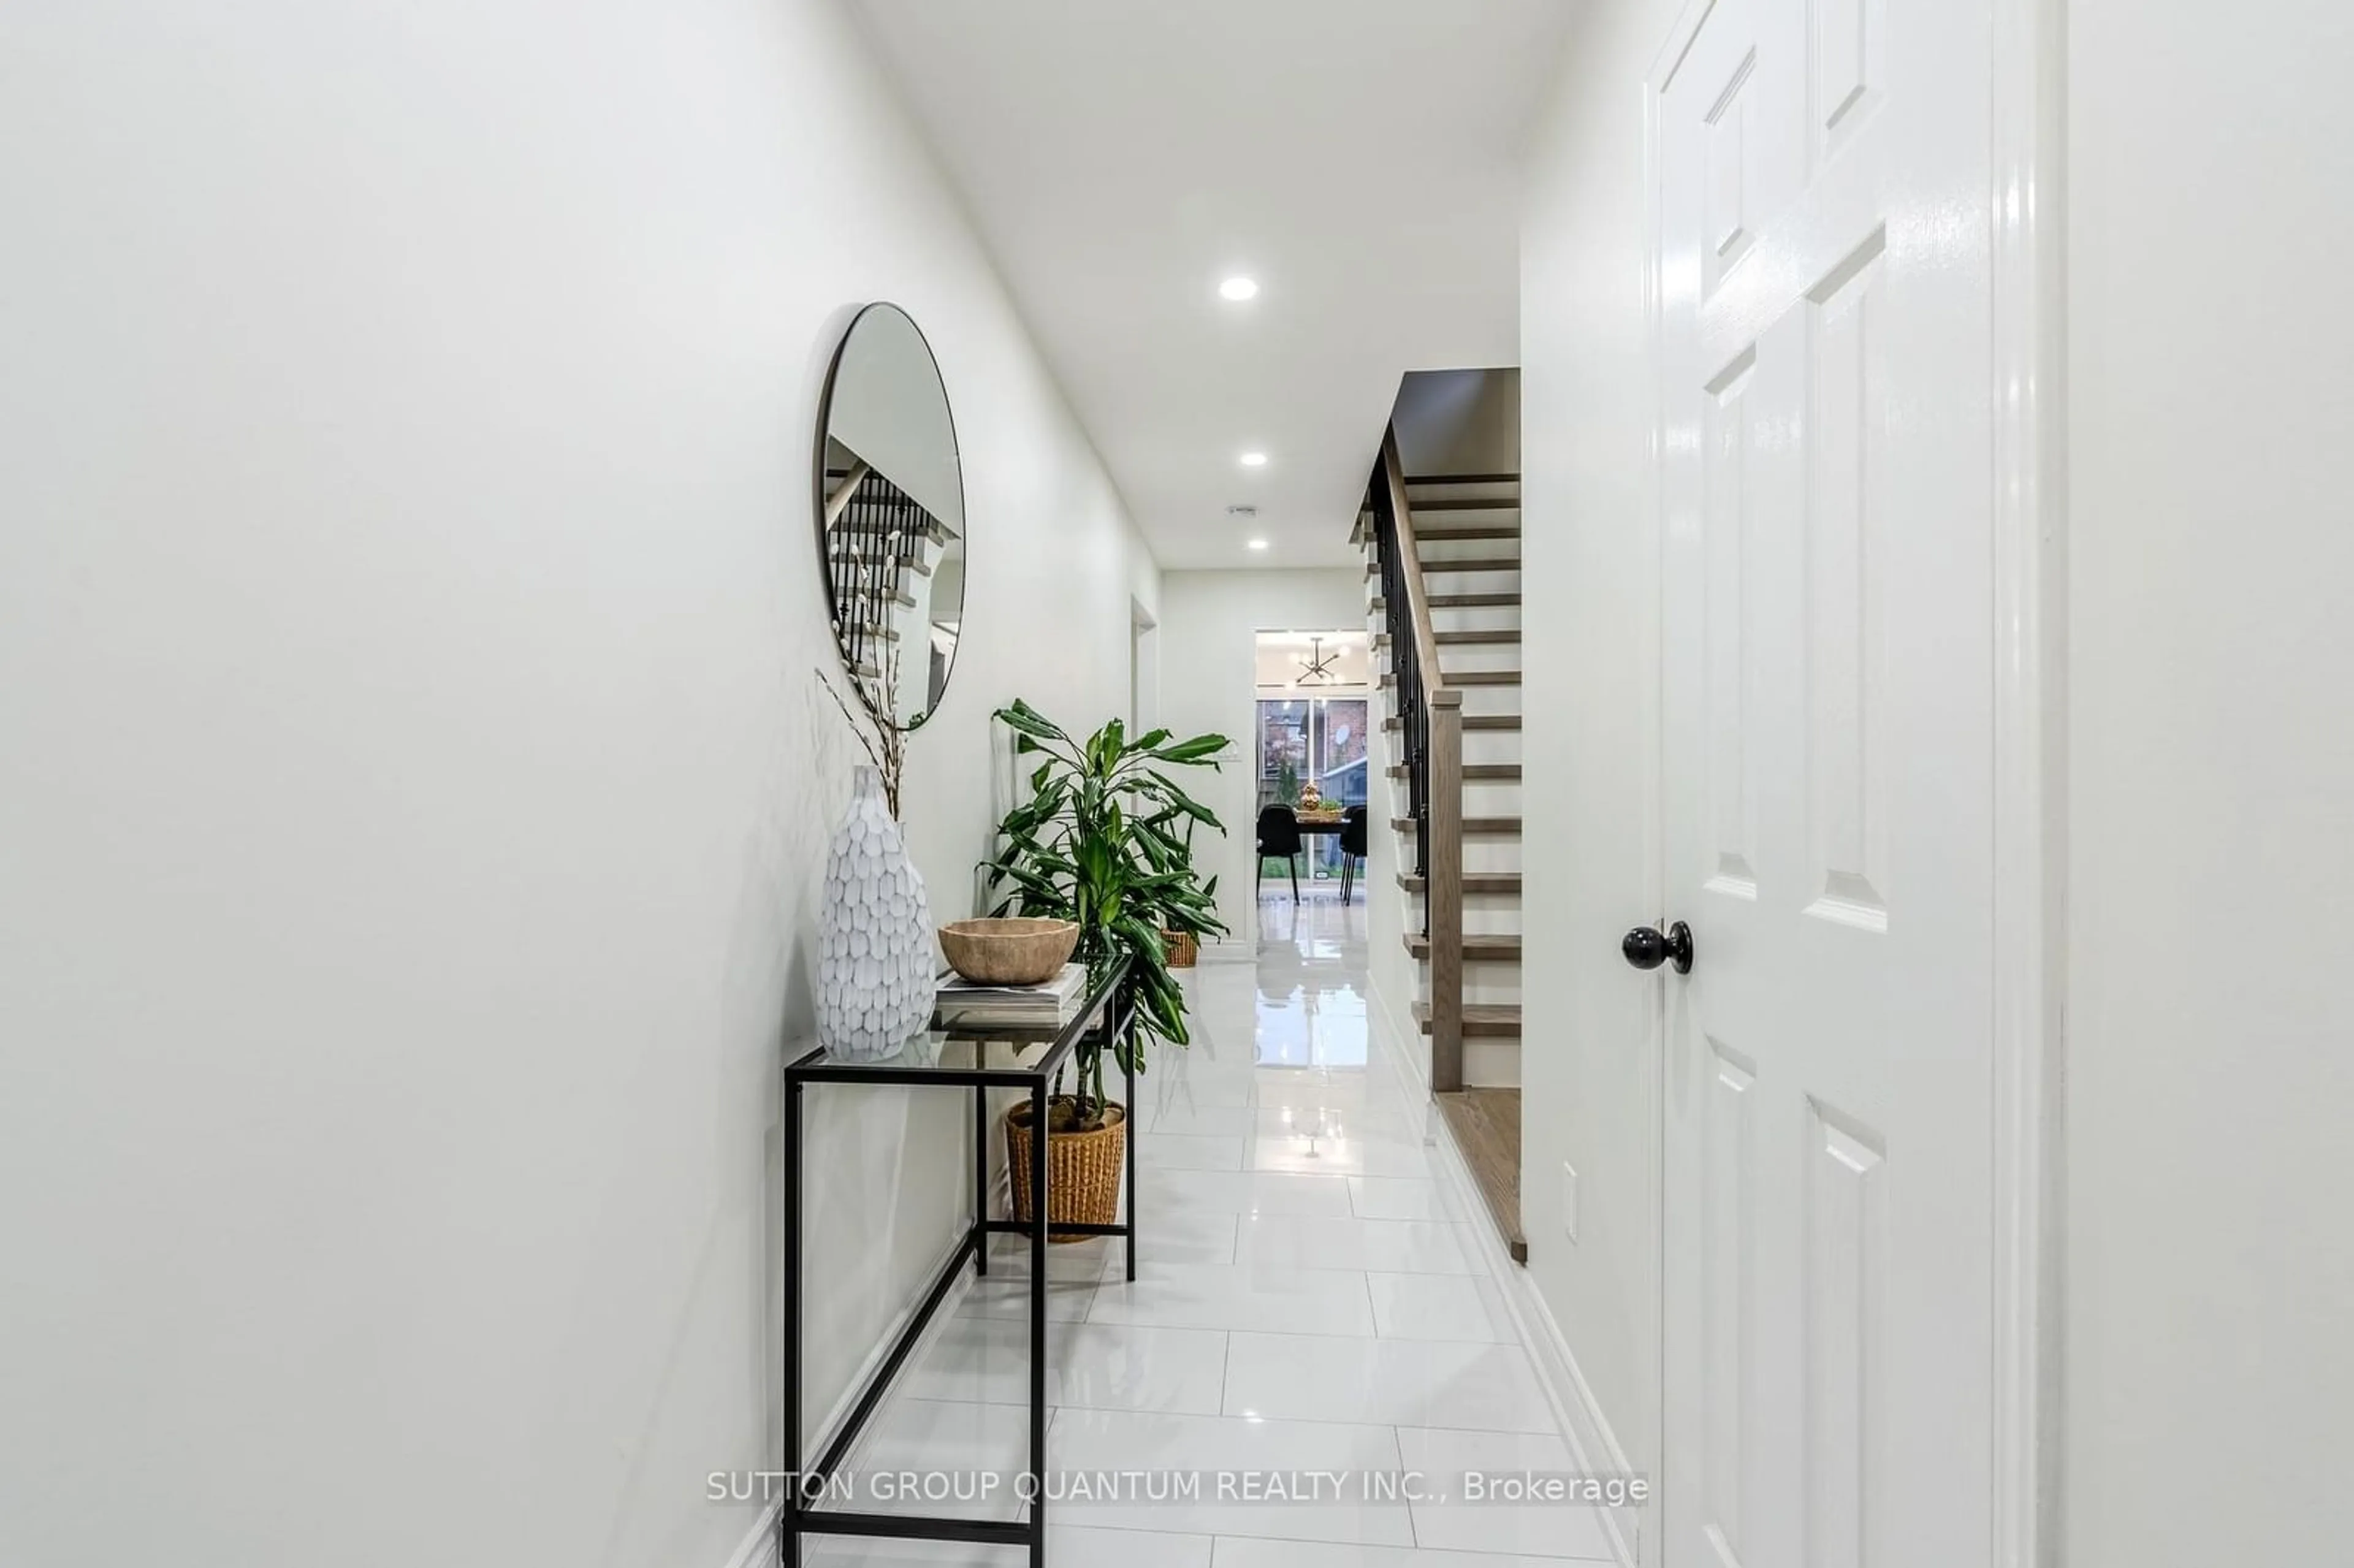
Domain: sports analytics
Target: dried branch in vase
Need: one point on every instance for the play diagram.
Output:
(871, 719)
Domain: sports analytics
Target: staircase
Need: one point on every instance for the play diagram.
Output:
(882, 548)
(1443, 579)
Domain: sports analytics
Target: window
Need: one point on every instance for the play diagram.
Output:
(1319, 739)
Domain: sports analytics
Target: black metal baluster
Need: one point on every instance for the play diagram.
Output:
(1405, 669)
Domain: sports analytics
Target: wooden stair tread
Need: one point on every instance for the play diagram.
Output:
(1380, 606)
(1471, 678)
(1486, 532)
(1481, 1020)
(1469, 531)
(913, 558)
(1473, 827)
(1486, 1124)
(1485, 949)
(1463, 479)
(1475, 772)
(1473, 882)
(1471, 721)
(1467, 503)
(1454, 639)
(1480, 563)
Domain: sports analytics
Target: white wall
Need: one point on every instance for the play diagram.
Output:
(2209, 1265)
(1393, 973)
(1210, 623)
(413, 782)
(1589, 740)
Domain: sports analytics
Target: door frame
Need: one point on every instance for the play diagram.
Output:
(2028, 455)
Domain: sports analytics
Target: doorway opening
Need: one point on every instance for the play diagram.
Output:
(1314, 708)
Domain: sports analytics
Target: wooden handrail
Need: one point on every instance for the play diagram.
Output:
(1443, 794)
(1417, 597)
(844, 492)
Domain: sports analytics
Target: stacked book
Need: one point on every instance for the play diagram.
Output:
(967, 1004)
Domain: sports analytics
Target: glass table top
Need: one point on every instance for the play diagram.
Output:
(974, 1053)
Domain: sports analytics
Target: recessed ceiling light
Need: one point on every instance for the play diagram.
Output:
(1258, 543)
(1239, 289)
(1254, 460)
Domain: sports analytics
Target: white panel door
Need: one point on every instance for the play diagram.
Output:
(1824, 209)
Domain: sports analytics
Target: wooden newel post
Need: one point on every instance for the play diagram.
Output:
(1444, 890)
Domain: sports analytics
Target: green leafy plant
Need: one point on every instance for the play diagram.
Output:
(1106, 842)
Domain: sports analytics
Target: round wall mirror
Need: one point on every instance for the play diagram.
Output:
(890, 511)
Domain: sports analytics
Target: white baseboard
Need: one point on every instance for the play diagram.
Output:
(958, 1287)
(1408, 1062)
(758, 1548)
(1593, 1447)
(1592, 1444)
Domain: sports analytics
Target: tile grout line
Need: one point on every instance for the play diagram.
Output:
(1142, 1411)
(1412, 1525)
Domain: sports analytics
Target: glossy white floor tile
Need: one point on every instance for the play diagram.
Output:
(1383, 1198)
(1242, 1192)
(1440, 1306)
(1392, 1246)
(1297, 1092)
(1269, 1297)
(1208, 1447)
(1458, 1524)
(1174, 1236)
(1079, 1261)
(1008, 1295)
(1310, 1297)
(1371, 1117)
(1067, 1547)
(1196, 1093)
(1239, 1120)
(950, 1438)
(1400, 1382)
(1339, 1154)
(1188, 1151)
(1113, 1366)
(1237, 1551)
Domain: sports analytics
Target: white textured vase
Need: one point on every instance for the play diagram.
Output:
(875, 970)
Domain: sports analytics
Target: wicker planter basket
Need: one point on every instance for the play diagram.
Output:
(1183, 948)
(1083, 1169)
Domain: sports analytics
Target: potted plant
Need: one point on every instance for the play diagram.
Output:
(1104, 841)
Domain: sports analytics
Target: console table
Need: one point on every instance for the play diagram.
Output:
(954, 1058)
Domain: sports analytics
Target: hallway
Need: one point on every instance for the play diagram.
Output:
(1310, 1297)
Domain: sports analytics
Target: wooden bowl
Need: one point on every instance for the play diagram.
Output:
(1012, 951)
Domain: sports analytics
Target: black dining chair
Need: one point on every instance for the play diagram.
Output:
(1278, 839)
(1352, 847)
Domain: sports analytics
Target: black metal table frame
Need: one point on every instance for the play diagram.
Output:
(1111, 999)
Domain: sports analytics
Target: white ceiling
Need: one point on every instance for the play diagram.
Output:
(1358, 158)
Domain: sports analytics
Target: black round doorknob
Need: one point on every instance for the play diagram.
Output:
(1647, 948)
